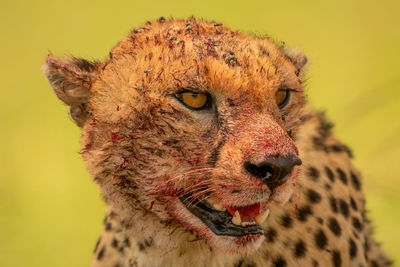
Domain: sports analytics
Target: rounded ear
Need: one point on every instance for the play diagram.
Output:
(297, 58)
(71, 80)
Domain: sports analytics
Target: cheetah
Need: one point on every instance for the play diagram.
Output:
(207, 153)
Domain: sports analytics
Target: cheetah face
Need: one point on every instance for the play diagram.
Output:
(192, 124)
(229, 189)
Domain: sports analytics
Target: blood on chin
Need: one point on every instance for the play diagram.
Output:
(243, 245)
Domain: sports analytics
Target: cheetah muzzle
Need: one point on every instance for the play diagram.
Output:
(243, 221)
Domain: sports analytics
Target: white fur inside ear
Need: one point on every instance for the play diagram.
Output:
(297, 57)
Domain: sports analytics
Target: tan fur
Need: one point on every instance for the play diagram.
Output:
(141, 145)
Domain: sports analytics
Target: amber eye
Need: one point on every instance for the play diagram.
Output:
(282, 97)
(193, 100)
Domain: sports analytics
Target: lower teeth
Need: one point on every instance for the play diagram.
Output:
(248, 223)
(259, 219)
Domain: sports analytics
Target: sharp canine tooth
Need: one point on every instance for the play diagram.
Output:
(210, 200)
(213, 203)
(260, 218)
(218, 207)
(236, 219)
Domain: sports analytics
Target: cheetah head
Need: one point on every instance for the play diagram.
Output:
(190, 124)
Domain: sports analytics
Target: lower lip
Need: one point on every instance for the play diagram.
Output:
(245, 239)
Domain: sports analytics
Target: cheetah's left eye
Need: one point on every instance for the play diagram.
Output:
(193, 100)
(282, 98)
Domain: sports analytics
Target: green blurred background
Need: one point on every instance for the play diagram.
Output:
(51, 212)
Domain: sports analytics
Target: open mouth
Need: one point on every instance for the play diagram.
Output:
(230, 220)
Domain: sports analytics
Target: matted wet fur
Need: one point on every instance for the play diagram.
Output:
(156, 159)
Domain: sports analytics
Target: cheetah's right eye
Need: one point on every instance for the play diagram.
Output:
(282, 97)
(193, 100)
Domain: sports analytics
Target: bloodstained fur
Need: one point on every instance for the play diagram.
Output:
(145, 149)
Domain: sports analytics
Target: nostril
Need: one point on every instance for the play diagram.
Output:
(263, 171)
(273, 171)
